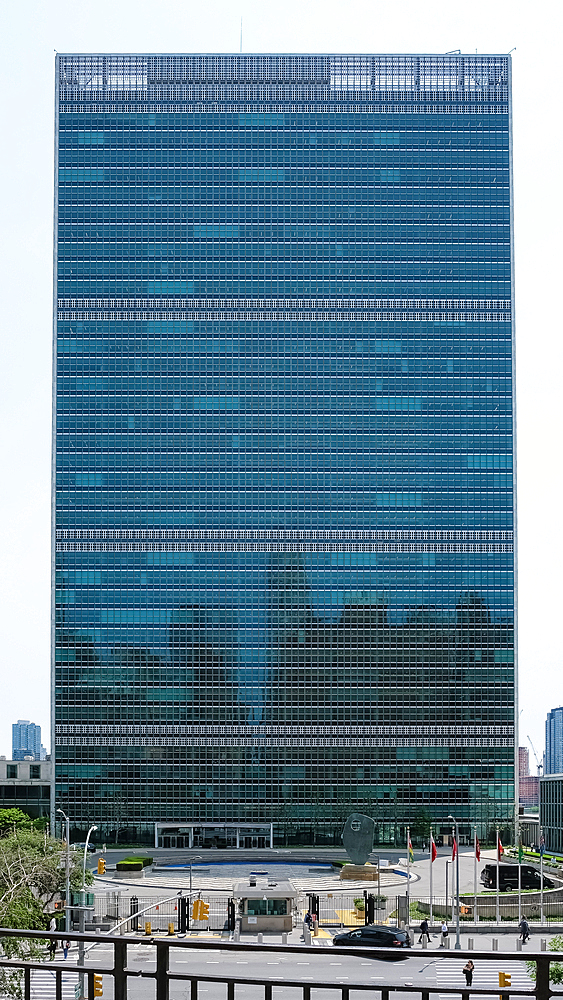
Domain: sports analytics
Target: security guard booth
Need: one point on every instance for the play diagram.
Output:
(266, 906)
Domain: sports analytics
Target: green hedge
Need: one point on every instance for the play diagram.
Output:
(129, 866)
(143, 859)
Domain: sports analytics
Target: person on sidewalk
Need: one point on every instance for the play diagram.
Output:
(53, 941)
(524, 929)
(445, 933)
(468, 972)
(66, 946)
(424, 932)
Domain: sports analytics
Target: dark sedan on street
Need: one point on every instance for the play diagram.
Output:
(375, 936)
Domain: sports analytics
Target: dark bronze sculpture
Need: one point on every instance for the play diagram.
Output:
(357, 837)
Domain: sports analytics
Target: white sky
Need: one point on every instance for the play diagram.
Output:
(30, 31)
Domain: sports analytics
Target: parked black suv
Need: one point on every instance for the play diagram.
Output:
(375, 936)
(508, 878)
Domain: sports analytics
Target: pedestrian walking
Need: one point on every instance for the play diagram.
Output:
(445, 933)
(66, 946)
(424, 932)
(52, 941)
(524, 929)
(307, 918)
(468, 972)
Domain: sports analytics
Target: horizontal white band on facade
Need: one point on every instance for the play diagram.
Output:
(287, 534)
(273, 730)
(277, 304)
(274, 742)
(487, 548)
(419, 317)
(131, 103)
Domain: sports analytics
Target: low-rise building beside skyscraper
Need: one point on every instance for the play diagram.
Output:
(26, 785)
(551, 811)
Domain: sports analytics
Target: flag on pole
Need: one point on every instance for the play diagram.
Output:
(411, 853)
(477, 849)
(520, 852)
(542, 846)
(454, 849)
(433, 850)
(500, 848)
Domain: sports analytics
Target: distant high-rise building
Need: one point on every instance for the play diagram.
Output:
(554, 742)
(284, 507)
(523, 762)
(26, 740)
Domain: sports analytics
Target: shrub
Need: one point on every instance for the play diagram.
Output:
(360, 904)
(129, 866)
(143, 858)
(555, 968)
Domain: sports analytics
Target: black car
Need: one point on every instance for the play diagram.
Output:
(91, 847)
(374, 936)
(508, 877)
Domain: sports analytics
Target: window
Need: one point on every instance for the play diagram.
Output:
(263, 907)
(12, 771)
(35, 770)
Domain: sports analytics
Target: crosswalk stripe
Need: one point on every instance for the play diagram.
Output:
(449, 972)
(43, 985)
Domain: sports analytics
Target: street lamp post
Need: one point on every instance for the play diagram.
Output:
(196, 857)
(456, 834)
(67, 867)
(82, 911)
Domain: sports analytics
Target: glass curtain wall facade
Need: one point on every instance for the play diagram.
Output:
(283, 540)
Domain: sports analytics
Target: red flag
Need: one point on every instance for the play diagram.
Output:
(433, 849)
(454, 849)
(500, 848)
(477, 849)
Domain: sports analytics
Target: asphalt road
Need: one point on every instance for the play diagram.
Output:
(323, 965)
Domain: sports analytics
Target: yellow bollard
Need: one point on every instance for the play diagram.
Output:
(147, 927)
(171, 930)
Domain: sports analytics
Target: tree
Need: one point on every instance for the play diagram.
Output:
(420, 828)
(32, 875)
(555, 968)
(15, 819)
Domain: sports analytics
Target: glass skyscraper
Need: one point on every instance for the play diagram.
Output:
(283, 535)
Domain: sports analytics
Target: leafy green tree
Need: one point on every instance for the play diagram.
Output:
(555, 968)
(32, 875)
(16, 819)
(420, 829)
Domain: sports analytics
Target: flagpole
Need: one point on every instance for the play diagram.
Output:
(519, 880)
(408, 875)
(475, 915)
(498, 878)
(431, 861)
(542, 848)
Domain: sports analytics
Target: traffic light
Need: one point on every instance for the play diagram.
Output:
(203, 910)
(98, 986)
(101, 866)
(504, 979)
(196, 909)
(183, 915)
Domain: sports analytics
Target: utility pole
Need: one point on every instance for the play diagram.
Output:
(67, 900)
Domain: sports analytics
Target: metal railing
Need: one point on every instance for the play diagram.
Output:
(121, 972)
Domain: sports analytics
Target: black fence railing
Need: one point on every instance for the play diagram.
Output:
(334, 910)
(122, 972)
